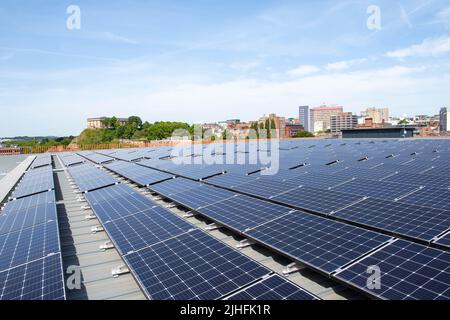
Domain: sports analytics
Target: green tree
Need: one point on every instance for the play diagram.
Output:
(304, 134)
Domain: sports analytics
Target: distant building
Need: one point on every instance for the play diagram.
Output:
(383, 133)
(377, 115)
(97, 123)
(291, 130)
(342, 121)
(444, 120)
(280, 123)
(320, 117)
(303, 116)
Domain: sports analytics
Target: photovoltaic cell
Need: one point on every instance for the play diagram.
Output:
(409, 271)
(192, 266)
(320, 201)
(319, 242)
(28, 202)
(273, 288)
(201, 196)
(174, 186)
(145, 229)
(429, 197)
(138, 174)
(377, 189)
(11, 221)
(414, 221)
(117, 202)
(266, 188)
(38, 280)
(28, 244)
(243, 212)
(230, 180)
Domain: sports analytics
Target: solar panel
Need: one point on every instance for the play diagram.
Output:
(87, 177)
(117, 201)
(243, 212)
(35, 182)
(319, 242)
(28, 244)
(96, 157)
(71, 159)
(201, 196)
(174, 186)
(41, 161)
(266, 188)
(444, 240)
(400, 218)
(429, 197)
(320, 201)
(14, 220)
(145, 229)
(377, 189)
(31, 201)
(138, 174)
(423, 179)
(319, 180)
(230, 180)
(408, 271)
(192, 266)
(273, 288)
(38, 280)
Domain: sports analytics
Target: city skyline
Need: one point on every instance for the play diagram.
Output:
(209, 62)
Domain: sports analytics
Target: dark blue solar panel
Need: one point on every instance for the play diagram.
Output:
(144, 229)
(377, 189)
(174, 186)
(138, 174)
(11, 221)
(422, 179)
(321, 201)
(28, 244)
(230, 180)
(87, 177)
(444, 240)
(266, 188)
(319, 242)
(429, 197)
(192, 266)
(28, 202)
(96, 157)
(35, 181)
(408, 271)
(38, 280)
(273, 288)
(201, 196)
(117, 202)
(243, 212)
(319, 180)
(414, 221)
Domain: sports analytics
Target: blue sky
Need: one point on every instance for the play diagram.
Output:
(204, 60)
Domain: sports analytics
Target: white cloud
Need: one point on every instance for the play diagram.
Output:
(303, 70)
(342, 65)
(429, 47)
(116, 38)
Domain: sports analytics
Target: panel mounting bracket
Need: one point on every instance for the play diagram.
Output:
(96, 229)
(120, 270)
(90, 217)
(188, 214)
(212, 227)
(291, 268)
(245, 243)
(107, 245)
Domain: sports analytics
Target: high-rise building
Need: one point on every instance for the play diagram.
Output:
(377, 115)
(342, 121)
(304, 117)
(321, 117)
(444, 120)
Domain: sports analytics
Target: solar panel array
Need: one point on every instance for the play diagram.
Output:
(382, 188)
(30, 251)
(338, 207)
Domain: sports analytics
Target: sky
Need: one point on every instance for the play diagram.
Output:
(206, 61)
